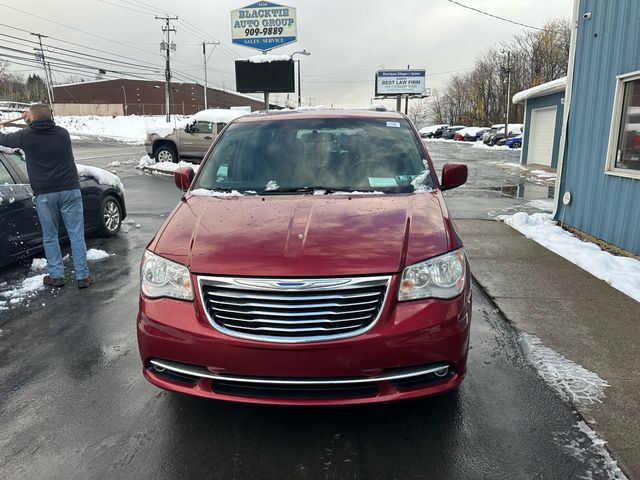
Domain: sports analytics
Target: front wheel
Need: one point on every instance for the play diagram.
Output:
(110, 219)
(166, 154)
(516, 145)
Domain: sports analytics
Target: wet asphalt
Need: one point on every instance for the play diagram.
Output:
(74, 404)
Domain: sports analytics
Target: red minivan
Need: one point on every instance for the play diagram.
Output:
(311, 261)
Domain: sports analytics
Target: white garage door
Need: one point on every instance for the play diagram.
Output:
(543, 125)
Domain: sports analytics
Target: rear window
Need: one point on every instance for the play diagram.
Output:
(334, 154)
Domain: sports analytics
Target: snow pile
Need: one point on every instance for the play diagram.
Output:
(101, 176)
(204, 192)
(268, 58)
(38, 264)
(482, 146)
(128, 129)
(145, 161)
(622, 273)
(571, 381)
(95, 254)
(27, 288)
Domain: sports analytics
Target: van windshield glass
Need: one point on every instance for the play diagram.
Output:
(316, 154)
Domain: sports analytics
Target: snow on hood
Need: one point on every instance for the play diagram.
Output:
(432, 128)
(101, 176)
(548, 88)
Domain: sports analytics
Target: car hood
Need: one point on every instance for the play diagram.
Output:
(305, 235)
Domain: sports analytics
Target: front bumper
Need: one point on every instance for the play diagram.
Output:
(415, 349)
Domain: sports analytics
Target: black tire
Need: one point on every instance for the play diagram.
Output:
(166, 153)
(516, 145)
(109, 217)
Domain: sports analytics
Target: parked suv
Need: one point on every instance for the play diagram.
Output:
(311, 261)
(189, 138)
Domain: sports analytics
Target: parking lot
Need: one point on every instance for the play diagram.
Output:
(73, 402)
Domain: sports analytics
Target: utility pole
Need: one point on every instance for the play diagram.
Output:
(167, 46)
(40, 56)
(204, 55)
(506, 114)
(406, 101)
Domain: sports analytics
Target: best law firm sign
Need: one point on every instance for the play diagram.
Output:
(400, 82)
(264, 26)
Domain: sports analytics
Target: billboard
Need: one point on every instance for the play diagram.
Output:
(271, 77)
(400, 82)
(264, 26)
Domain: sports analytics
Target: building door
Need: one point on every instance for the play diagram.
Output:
(541, 136)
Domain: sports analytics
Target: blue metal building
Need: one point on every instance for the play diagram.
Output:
(543, 114)
(599, 170)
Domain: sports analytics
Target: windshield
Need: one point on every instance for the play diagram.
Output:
(316, 154)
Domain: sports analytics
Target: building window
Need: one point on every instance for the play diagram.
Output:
(624, 143)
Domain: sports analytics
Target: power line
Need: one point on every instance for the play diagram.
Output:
(495, 16)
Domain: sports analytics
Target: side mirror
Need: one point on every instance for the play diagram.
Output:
(188, 127)
(183, 177)
(453, 175)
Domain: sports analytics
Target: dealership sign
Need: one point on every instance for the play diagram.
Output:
(264, 26)
(400, 82)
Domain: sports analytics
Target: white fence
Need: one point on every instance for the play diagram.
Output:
(100, 109)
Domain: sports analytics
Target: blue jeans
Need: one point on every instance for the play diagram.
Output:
(68, 205)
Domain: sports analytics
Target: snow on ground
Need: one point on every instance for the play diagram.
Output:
(150, 165)
(482, 146)
(128, 129)
(571, 381)
(622, 273)
(25, 290)
(38, 264)
(95, 254)
(445, 140)
(543, 174)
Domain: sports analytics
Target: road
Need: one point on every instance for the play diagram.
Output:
(73, 402)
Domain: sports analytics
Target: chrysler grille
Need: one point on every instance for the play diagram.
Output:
(286, 310)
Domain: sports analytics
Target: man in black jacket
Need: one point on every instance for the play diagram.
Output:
(54, 180)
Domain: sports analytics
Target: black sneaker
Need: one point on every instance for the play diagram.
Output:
(85, 282)
(53, 282)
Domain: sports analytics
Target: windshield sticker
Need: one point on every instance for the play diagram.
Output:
(405, 178)
(382, 182)
(393, 124)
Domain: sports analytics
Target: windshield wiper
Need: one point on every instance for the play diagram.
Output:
(311, 189)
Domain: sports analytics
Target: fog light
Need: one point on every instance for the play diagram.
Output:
(442, 372)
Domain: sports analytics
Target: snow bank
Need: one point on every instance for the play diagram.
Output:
(129, 129)
(622, 273)
(482, 146)
(101, 176)
(168, 168)
(574, 383)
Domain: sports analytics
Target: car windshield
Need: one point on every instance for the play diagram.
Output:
(338, 154)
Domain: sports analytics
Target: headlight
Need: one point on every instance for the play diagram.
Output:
(440, 277)
(163, 278)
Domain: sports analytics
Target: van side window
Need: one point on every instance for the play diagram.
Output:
(219, 127)
(202, 127)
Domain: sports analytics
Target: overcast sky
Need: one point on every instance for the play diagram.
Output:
(348, 39)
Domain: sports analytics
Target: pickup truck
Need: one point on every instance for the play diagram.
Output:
(190, 138)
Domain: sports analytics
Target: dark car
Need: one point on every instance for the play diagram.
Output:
(311, 261)
(474, 134)
(515, 130)
(449, 132)
(20, 233)
(433, 131)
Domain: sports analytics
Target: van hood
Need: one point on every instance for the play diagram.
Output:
(305, 235)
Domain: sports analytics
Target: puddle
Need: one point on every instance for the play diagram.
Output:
(525, 191)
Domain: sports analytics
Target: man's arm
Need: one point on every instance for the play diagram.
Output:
(13, 140)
